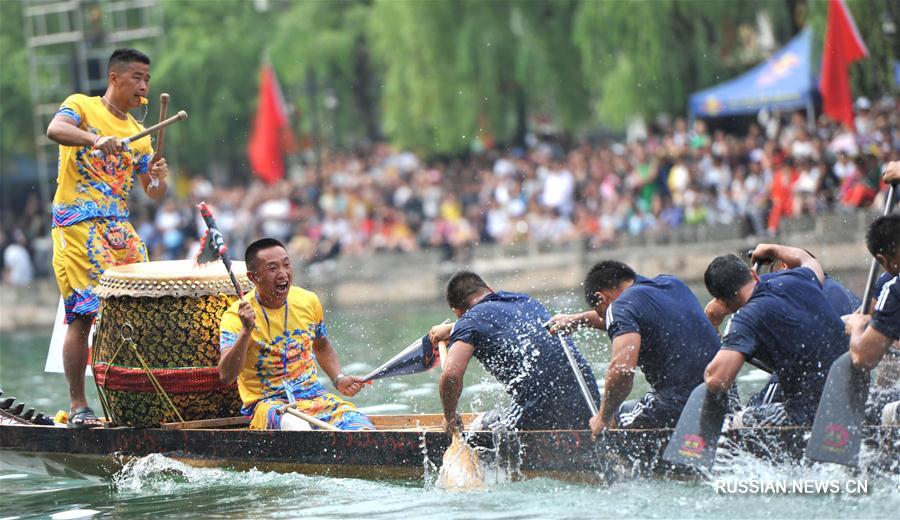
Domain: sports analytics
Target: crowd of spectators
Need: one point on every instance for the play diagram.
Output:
(668, 175)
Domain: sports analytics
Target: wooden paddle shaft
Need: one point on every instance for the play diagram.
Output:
(585, 391)
(873, 269)
(442, 353)
(311, 420)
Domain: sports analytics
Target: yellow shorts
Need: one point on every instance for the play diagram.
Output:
(82, 251)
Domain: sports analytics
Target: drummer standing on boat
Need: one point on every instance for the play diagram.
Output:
(270, 342)
(90, 209)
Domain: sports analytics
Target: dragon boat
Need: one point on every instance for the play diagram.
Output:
(401, 448)
(154, 359)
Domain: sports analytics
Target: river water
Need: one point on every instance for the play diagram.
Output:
(158, 487)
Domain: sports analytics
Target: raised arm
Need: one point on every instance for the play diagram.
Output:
(791, 256)
(892, 172)
(65, 131)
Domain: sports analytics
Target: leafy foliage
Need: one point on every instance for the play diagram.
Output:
(643, 58)
(15, 101)
(443, 76)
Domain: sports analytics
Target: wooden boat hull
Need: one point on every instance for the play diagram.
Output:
(397, 453)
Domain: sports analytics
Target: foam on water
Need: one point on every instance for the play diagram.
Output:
(427, 389)
(754, 376)
(384, 408)
(73, 514)
(485, 387)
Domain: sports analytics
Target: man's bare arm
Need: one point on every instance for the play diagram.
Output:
(620, 374)
(451, 382)
(575, 321)
(723, 370)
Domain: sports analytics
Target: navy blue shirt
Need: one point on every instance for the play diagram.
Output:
(789, 324)
(886, 318)
(677, 340)
(842, 299)
(507, 332)
(879, 284)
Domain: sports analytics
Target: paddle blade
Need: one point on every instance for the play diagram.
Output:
(699, 427)
(461, 469)
(837, 431)
(417, 357)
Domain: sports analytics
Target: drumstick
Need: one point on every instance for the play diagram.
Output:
(161, 135)
(162, 124)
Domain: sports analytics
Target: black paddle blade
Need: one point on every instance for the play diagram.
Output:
(837, 431)
(419, 356)
(699, 427)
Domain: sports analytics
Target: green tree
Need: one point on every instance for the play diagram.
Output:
(16, 132)
(456, 70)
(642, 58)
(326, 43)
(209, 64)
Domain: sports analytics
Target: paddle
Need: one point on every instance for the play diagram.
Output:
(602, 460)
(699, 427)
(292, 410)
(585, 391)
(837, 430)
(419, 356)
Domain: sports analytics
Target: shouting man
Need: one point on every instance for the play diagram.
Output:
(270, 343)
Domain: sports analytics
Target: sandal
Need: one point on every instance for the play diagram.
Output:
(83, 418)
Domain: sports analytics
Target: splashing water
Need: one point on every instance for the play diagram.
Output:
(159, 474)
(461, 469)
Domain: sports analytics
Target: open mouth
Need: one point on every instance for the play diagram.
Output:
(281, 287)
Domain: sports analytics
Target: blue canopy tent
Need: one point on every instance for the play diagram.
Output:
(785, 81)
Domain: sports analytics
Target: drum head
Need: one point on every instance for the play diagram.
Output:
(171, 278)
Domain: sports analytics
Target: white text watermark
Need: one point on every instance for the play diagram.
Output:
(791, 487)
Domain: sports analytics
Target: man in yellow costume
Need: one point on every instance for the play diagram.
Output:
(270, 342)
(90, 209)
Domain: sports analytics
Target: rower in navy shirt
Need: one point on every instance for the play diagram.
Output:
(844, 302)
(842, 299)
(785, 321)
(871, 336)
(504, 331)
(656, 324)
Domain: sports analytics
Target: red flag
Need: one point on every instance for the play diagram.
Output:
(843, 46)
(272, 134)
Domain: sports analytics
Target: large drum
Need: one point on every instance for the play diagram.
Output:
(162, 319)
